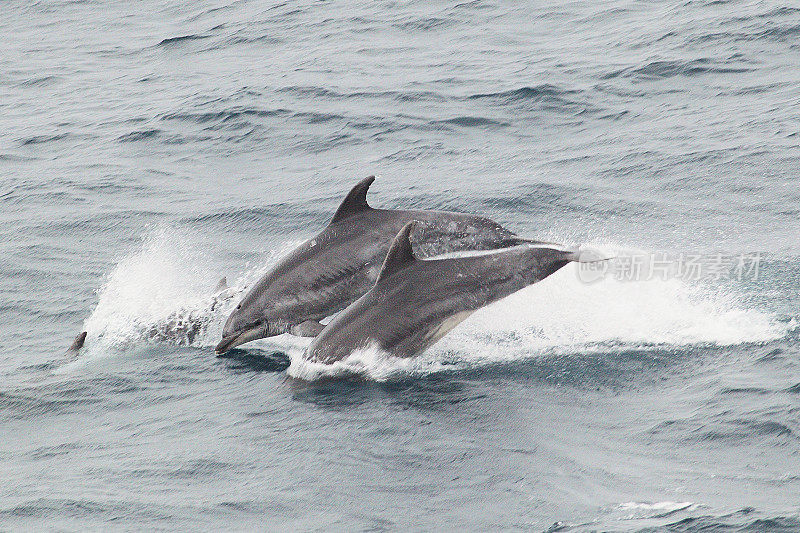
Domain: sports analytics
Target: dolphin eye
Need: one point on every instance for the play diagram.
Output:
(239, 306)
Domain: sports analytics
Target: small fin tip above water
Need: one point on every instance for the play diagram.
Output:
(77, 344)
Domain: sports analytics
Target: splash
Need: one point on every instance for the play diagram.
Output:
(155, 293)
(164, 293)
(644, 510)
(370, 363)
(564, 313)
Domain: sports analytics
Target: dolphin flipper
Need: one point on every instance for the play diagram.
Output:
(309, 328)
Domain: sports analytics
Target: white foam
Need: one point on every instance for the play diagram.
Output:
(642, 510)
(169, 277)
(167, 281)
(371, 363)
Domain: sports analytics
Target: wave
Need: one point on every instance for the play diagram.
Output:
(684, 516)
(223, 115)
(171, 41)
(39, 81)
(472, 122)
(550, 96)
(735, 522)
(639, 510)
(424, 24)
(742, 431)
(41, 139)
(527, 93)
(545, 97)
(780, 33)
(326, 94)
(243, 37)
(139, 135)
(664, 69)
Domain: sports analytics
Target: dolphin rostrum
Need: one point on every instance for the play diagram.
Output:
(330, 271)
(415, 302)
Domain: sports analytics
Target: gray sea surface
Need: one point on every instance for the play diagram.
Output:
(149, 148)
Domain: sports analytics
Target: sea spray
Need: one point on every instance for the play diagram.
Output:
(168, 283)
(164, 291)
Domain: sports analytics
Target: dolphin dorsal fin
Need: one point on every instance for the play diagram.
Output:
(355, 202)
(400, 253)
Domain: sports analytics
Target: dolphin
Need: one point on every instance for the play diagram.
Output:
(74, 349)
(330, 271)
(415, 302)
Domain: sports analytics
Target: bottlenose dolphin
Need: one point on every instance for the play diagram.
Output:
(415, 302)
(330, 271)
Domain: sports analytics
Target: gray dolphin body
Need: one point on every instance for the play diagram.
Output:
(415, 302)
(332, 270)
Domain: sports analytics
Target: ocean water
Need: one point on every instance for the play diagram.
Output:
(148, 149)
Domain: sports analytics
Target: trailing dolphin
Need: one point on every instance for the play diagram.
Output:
(330, 271)
(415, 302)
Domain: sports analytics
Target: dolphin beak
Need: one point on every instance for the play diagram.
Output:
(225, 344)
(240, 337)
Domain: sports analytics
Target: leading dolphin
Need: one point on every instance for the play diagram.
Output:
(328, 272)
(415, 302)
